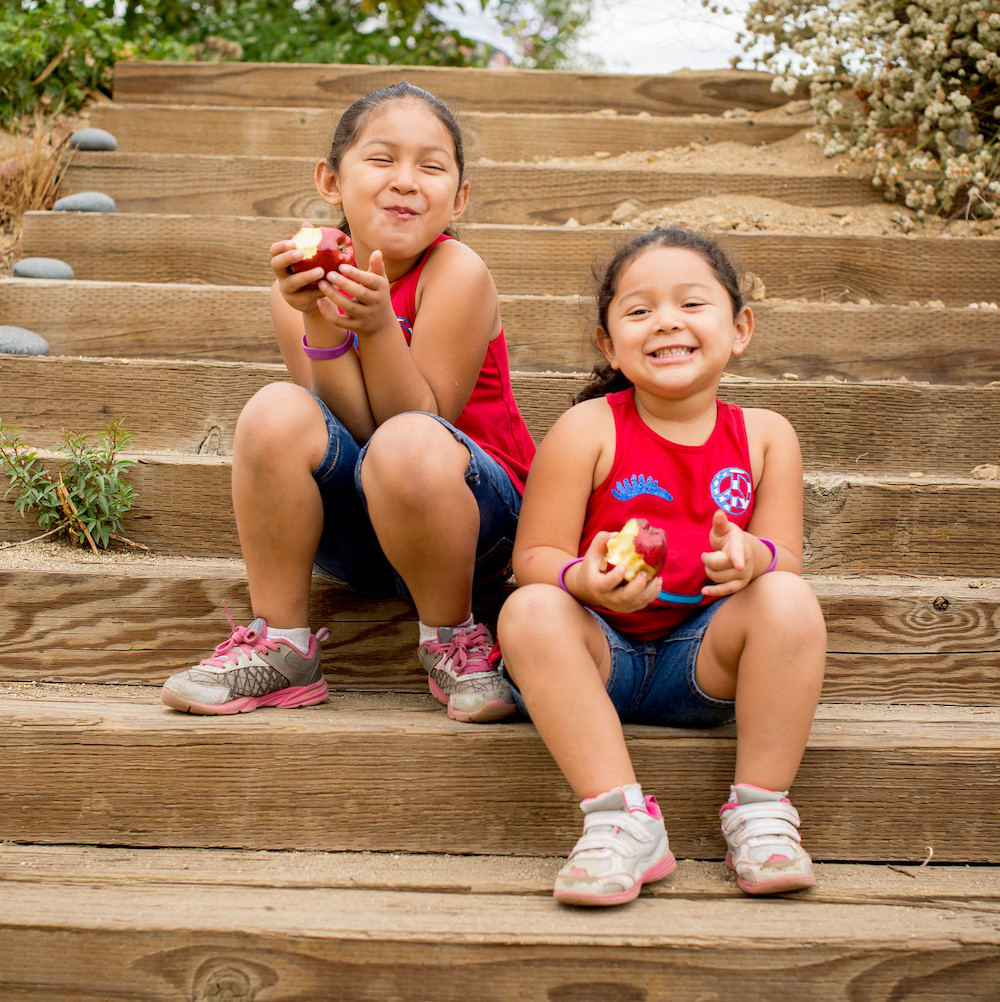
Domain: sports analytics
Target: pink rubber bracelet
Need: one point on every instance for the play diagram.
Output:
(324, 353)
(774, 554)
(562, 574)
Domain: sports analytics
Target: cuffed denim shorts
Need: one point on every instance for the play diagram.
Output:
(652, 682)
(349, 551)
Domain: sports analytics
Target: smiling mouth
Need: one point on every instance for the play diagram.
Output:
(400, 211)
(676, 352)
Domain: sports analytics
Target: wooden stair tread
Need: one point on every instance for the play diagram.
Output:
(511, 91)
(123, 769)
(192, 407)
(306, 132)
(524, 260)
(282, 187)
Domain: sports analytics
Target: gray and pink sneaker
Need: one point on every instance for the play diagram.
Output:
(462, 675)
(761, 828)
(248, 671)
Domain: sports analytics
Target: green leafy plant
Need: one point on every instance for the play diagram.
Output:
(85, 498)
(909, 87)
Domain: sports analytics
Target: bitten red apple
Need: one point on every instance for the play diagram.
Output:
(322, 247)
(640, 547)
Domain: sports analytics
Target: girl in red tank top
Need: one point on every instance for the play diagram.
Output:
(727, 629)
(395, 459)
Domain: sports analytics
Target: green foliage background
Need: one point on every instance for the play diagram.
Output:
(56, 54)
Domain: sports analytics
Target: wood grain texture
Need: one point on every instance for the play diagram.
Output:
(537, 194)
(192, 407)
(117, 772)
(303, 86)
(842, 341)
(524, 260)
(306, 132)
(890, 639)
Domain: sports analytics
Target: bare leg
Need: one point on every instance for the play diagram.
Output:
(559, 659)
(766, 647)
(425, 516)
(280, 439)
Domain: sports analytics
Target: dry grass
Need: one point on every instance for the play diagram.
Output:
(33, 160)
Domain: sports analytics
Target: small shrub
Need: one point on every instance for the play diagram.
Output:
(910, 87)
(85, 498)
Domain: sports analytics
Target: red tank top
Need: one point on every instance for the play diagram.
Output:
(491, 418)
(678, 488)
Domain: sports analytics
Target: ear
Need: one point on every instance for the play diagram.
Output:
(744, 330)
(461, 200)
(327, 184)
(606, 346)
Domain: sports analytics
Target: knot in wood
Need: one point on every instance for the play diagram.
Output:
(223, 984)
(941, 603)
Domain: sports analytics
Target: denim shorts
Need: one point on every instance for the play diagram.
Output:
(349, 552)
(652, 682)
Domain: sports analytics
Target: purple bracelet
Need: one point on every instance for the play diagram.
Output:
(774, 554)
(562, 574)
(324, 353)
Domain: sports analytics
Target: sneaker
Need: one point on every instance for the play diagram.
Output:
(461, 675)
(619, 851)
(762, 835)
(249, 671)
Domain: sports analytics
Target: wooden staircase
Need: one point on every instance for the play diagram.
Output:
(371, 848)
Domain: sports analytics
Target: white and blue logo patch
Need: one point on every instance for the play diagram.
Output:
(637, 485)
(732, 490)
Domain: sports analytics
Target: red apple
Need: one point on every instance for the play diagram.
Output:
(640, 547)
(322, 247)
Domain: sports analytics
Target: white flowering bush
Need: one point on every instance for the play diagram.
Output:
(911, 88)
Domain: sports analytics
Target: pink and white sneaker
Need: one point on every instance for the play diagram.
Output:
(621, 849)
(248, 671)
(761, 828)
(461, 674)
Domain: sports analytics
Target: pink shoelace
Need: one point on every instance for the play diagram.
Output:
(457, 650)
(241, 636)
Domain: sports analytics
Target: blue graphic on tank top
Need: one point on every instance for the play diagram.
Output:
(637, 485)
(732, 490)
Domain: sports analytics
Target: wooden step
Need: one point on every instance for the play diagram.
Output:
(192, 407)
(306, 132)
(929, 525)
(808, 341)
(329, 85)
(508, 193)
(378, 772)
(135, 619)
(95, 924)
(525, 260)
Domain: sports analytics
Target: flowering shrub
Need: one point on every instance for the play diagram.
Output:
(911, 88)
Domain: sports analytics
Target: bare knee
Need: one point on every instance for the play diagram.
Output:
(412, 451)
(281, 418)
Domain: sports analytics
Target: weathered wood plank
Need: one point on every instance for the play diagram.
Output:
(306, 132)
(544, 333)
(542, 194)
(927, 525)
(368, 945)
(304, 85)
(524, 260)
(889, 639)
(696, 880)
(380, 771)
(193, 407)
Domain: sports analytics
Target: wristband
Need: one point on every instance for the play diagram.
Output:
(774, 554)
(324, 353)
(562, 574)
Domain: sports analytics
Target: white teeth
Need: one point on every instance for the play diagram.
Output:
(666, 352)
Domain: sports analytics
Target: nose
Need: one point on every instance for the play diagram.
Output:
(669, 318)
(403, 178)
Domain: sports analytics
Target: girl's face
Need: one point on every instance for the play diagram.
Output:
(398, 184)
(671, 329)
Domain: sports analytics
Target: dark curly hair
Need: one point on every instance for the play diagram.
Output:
(603, 378)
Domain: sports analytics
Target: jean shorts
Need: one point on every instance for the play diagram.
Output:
(349, 552)
(652, 682)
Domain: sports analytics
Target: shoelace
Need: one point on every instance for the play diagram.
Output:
(240, 636)
(457, 649)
